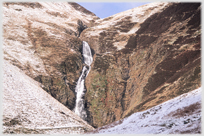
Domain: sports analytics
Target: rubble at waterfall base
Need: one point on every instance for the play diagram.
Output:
(181, 115)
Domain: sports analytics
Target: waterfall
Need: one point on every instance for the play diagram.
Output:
(80, 87)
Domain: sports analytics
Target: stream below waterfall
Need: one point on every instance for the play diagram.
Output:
(80, 87)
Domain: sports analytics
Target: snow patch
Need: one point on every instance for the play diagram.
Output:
(120, 45)
(159, 119)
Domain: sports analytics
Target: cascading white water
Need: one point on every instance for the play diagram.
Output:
(87, 54)
(80, 87)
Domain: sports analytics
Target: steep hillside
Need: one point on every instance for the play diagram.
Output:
(142, 57)
(181, 115)
(42, 39)
(27, 108)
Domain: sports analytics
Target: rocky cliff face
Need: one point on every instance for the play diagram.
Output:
(141, 57)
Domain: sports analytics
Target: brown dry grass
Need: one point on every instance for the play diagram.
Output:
(189, 110)
(192, 131)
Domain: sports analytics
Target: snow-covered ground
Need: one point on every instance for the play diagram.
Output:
(179, 115)
(26, 103)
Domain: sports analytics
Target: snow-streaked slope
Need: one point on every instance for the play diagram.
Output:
(136, 15)
(21, 20)
(120, 27)
(179, 115)
(66, 9)
(27, 106)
